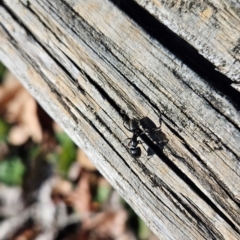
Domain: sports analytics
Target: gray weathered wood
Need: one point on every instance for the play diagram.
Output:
(84, 61)
(211, 26)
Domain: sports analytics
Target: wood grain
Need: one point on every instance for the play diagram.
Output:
(85, 61)
(211, 26)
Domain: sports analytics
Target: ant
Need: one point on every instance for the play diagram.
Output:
(133, 125)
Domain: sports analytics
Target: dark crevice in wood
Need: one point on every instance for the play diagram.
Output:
(157, 182)
(203, 223)
(31, 35)
(180, 48)
(84, 74)
(101, 91)
(223, 189)
(159, 152)
(204, 98)
(103, 42)
(95, 128)
(201, 126)
(221, 185)
(74, 81)
(11, 39)
(89, 31)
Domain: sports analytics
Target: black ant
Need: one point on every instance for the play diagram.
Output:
(133, 125)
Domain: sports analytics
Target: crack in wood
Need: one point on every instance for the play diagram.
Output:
(181, 49)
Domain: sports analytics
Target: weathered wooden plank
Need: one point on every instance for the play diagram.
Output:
(84, 61)
(211, 26)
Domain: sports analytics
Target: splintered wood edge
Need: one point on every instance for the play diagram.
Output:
(68, 79)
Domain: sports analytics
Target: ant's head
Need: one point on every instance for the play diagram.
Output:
(135, 152)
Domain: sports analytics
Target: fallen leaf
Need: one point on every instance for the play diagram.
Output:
(81, 198)
(20, 109)
(61, 189)
(84, 161)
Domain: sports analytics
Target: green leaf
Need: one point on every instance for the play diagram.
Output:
(11, 171)
(4, 128)
(102, 193)
(2, 71)
(67, 154)
(143, 231)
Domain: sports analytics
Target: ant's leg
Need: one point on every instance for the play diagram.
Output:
(122, 143)
(144, 167)
(126, 126)
(143, 163)
(126, 140)
(125, 119)
(160, 121)
(144, 132)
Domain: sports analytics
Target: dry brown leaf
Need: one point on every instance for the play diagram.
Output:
(29, 119)
(27, 234)
(108, 224)
(19, 108)
(81, 198)
(4, 150)
(61, 189)
(83, 159)
(152, 236)
(8, 89)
